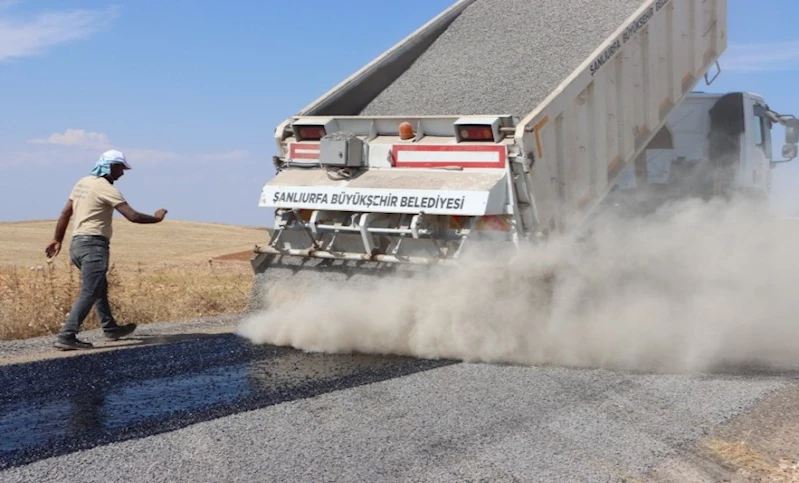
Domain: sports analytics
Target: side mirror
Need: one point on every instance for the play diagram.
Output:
(791, 134)
(790, 151)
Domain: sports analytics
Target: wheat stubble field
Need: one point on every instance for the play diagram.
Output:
(168, 271)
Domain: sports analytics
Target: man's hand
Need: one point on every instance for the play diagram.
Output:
(60, 229)
(53, 249)
(136, 217)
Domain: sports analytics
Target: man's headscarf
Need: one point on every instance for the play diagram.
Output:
(103, 165)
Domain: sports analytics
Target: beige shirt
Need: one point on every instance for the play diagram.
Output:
(94, 200)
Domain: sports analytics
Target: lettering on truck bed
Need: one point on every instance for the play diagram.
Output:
(628, 33)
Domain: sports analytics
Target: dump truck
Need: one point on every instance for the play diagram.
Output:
(441, 142)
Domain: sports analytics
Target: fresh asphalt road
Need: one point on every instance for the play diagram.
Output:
(220, 409)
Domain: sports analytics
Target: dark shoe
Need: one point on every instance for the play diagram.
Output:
(119, 331)
(71, 344)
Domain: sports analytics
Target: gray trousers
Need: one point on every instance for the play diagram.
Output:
(91, 255)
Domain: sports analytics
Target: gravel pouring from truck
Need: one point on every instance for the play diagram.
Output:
(353, 188)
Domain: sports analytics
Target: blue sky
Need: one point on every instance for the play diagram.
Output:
(192, 90)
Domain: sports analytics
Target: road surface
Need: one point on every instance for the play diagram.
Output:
(216, 408)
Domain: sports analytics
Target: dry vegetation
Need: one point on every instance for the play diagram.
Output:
(762, 444)
(170, 271)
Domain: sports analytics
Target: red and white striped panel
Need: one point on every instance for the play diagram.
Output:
(304, 151)
(437, 156)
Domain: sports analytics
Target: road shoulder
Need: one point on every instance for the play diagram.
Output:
(758, 445)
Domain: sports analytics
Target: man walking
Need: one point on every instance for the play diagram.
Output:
(93, 201)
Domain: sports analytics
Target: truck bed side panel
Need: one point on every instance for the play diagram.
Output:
(602, 117)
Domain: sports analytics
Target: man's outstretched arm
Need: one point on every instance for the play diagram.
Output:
(136, 217)
(60, 230)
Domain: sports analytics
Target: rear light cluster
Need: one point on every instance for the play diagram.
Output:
(312, 128)
(476, 133)
(479, 129)
(311, 133)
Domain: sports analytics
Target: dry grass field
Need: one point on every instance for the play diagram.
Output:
(168, 271)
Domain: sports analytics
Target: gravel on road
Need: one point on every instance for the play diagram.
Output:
(455, 423)
(53, 407)
(502, 57)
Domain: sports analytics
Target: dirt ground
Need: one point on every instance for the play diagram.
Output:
(243, 256)
(760, 445)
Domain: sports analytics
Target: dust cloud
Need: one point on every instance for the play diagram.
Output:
(690, 287)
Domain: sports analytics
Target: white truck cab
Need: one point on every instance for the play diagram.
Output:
(713, 144)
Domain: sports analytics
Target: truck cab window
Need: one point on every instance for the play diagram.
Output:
(758, 127)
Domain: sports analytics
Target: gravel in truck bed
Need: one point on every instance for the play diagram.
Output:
(502, 57)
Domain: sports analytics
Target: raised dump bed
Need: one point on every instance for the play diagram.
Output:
(501, 57)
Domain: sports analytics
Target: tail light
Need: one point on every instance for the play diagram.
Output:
(478, 129)
(312, 128)
(476, 133)
(310, 133)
